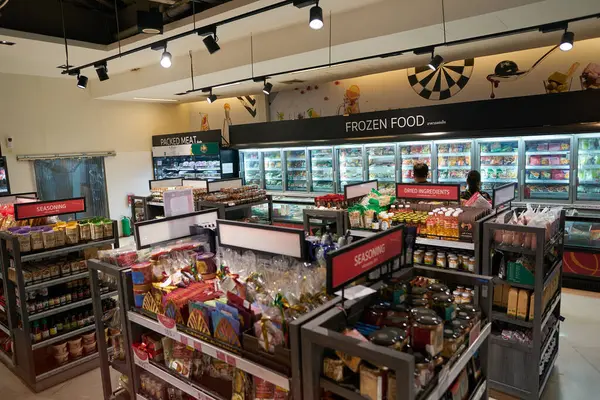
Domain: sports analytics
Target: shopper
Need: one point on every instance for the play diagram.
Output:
(420, 172)
(474, 186)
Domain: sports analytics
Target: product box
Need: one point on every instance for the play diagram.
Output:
(467, 220)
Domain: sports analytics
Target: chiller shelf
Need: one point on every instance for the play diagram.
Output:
(546, 153)
(505, 153)
(548, 167)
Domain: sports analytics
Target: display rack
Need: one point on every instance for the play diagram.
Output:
(519, 373)
(26, 355)
(323, 333)
(139, 203)
(339, 218)
(236, 211)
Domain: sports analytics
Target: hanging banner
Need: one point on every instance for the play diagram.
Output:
(428, 191)
(49, 208)
(358, 259)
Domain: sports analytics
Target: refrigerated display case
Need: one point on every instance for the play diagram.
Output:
(547, 168)
(581, 256)
(205, 167)
(350, 161)
(454, 161)
(499, 163)
(273, 169)
(321, 168)
(412, 153)
(588, 168)
(4, 182)
(250, 167)
(296, 170)
(381, 163)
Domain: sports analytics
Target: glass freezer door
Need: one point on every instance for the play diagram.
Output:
(411, 154)
(296, 170)
(588, 168)
(350, 160)
(454, 161)
(547, 168)
(499, 163)
(321, 167)
(381, 160)
(250, 167)
(273, 169)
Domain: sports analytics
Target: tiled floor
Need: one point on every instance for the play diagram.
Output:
(576, 375)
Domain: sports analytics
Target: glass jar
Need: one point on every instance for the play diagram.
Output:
(470, 309)
(424, 371)
(466, 298)
(429, 258)
(453, 262)
(471, 264)
(452, 341)
(397, 321)
(428, 334)
(438, 288)
(466, 319)
(392, 337)
(444, 306)
(418, 256)
(440, 260)
(416, 312)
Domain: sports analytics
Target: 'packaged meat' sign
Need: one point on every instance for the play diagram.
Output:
(428, 191)
(358, 259)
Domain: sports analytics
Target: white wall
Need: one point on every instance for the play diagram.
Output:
(51, 115)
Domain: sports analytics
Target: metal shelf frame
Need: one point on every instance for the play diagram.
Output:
(518, 374)
(225, 210)
(23, 354)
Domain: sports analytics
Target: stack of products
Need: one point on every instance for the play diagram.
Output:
(157, 193)
(236, 196)
(417, 317)
(155, 389)
(431, 256)
(46, 271)
(547, 218)
(518, 303)
(331, 201)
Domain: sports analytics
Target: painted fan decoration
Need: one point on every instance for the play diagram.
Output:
(172, 311)
(225, 332)
(198, 323)
(151, 304)
(442, 83)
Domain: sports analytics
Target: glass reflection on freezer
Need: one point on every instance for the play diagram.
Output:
(547, 165)
(187, 167)
(251, 167)
(351, 165)
(273, 170)
(411, 154)
(382, 164)
(499, 163)
(454, 162)
(588, 169)
(296, 169)
(321, 166)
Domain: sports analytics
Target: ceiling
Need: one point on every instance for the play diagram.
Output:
(280, 40)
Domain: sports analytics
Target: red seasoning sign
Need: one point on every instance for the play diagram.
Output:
(348, 264)
(49, 208)
(423, 191)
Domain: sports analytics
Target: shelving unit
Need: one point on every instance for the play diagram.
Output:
(139, 203)
(518, 374)
(225, 210)
(24, 359)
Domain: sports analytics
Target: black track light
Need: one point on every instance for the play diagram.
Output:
(267, 88)
(102, 71)
(316, 17)
(211, 43)
(435, 62)
(566, 42)
(82, 81)
(211, 97)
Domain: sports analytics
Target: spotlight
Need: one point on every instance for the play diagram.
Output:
(102, 70)
(435, 62)
(211, 97)
(316, 17)
(211, 43)
(165, 59)
(82, 81)
(566, 42)
(267, 88)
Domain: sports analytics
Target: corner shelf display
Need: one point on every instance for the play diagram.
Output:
(454, 161)
(411, 154)
(49, 300)
(288, 210)
(381, 159)
(251, 167)
(547, 168)
(526, 264)
(321, 170)
(351, 162)
(581, 249)
(296, 170)
(499, 163)
(273, 169)
(588, 169)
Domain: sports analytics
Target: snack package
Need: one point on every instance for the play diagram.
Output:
(351, 362)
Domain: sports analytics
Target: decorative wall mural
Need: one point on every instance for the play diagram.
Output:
(350, 104)
(444, 82)
(249, 104)
(590, 77)
(558, 82)
(205, 126)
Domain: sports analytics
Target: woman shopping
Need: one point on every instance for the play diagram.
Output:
(474, 186)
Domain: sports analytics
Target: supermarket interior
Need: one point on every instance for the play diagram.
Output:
(396, 202)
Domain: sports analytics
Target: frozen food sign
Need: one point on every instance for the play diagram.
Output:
(377, 124)
(358, 259)
(49, 208)
(428, 192)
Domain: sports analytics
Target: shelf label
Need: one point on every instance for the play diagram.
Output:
(198, 346)
(41, 209)
(221, 356)
(140, 358)
(428, 191)
(474, 334)
(231, 360)
(168, 327)
(357, 259)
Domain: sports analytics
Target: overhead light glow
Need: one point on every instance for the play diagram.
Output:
(267, 88)
(566, 42)
(82, 81)
(316, 17)
(155, 99)
(211, 97)
(435, 62)
(165, 59)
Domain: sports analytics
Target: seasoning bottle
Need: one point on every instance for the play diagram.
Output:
(67, 324)
(53, 329)
(59, 326)
(375, 223)
(73, 322)
(37, 332)
(80, 321)
(45, 330)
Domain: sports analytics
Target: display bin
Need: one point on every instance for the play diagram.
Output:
(237, 211)
(324, 333)
(582, 250)
(338, 218)
(519, 372)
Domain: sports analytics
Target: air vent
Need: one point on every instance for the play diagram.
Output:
(292, 82)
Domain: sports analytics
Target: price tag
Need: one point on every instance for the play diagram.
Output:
(183, 340)
(168, 327)
(231, 360)
(474, 334)
(140, 358)
(198, 346)
(221, 356)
